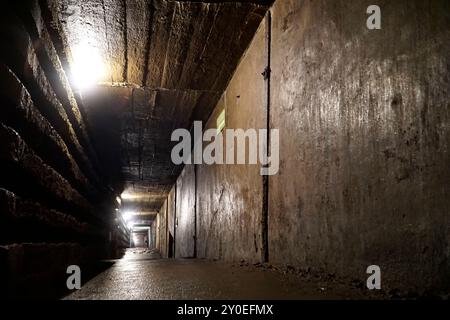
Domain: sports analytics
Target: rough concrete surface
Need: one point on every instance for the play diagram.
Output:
(229, 196)
(364, 140)
(364, 145)
(185, 214)
(174, 57)
(141, 275)
(364, 123)
(55, 205)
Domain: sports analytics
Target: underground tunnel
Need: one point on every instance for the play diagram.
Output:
(245, 149)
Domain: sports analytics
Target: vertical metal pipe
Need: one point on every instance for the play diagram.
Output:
(195, 211)
(265, 200)
(166, 249)
(174, 219)
(150, 237)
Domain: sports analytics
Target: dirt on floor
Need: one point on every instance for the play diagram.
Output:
(141, 274)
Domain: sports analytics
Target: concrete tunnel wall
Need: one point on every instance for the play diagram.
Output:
(364, 177)
(364, 147)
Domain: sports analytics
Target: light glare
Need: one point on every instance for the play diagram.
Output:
(88, 67)
(127, 215)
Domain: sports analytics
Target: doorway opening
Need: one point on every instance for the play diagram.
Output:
(170, 251)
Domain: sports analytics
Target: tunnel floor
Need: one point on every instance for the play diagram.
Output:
(142, 275)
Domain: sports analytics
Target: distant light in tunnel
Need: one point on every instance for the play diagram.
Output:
(127, 215)
(126, 196)
(87, 67)
(130, 196)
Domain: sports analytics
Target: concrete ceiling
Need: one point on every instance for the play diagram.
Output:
(167, 63)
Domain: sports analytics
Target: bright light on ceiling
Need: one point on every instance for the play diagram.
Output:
(127, 215)
(131, 195)
(126, 196)
(87, 67)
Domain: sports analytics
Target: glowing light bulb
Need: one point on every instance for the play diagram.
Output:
(88, 67)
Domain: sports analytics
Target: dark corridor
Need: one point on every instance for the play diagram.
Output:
(288, 149)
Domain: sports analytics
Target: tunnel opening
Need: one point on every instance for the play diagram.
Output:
(170, 246)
